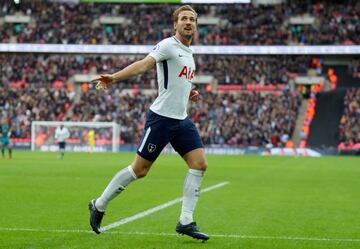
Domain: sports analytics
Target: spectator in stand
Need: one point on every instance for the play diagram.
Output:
(354, 68)
(349, 130)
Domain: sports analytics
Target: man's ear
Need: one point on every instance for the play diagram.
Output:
(175, 26)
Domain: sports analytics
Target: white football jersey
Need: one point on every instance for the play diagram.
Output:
(175, 68)
(62, 134)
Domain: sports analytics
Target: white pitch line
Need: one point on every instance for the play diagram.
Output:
(155, 209)
(44, 230)
(235, 236)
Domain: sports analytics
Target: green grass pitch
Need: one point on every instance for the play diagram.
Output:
(270, 202)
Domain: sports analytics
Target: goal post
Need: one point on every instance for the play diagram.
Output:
(107, 136)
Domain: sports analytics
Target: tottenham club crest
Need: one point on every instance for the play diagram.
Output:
(151, 147)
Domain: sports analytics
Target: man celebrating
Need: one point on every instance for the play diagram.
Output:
(167, 121)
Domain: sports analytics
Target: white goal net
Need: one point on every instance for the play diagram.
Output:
(106, 136)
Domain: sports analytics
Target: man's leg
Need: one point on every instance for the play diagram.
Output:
(156, 135)
(10, 151)
(2, 151)
(187, 143)
(138, 169)
(196, 161)
(60, 150)
(92, 145)
(63, 151)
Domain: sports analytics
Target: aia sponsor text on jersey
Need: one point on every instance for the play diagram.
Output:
(189, 73)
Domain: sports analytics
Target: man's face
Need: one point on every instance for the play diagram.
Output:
(186, 24)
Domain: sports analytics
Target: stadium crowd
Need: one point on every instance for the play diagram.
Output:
(230, 119)
(46, 69)
(354, 68)
(37, 89)
(241, 70)
(224, 118)
(237, 24)
(349, 130)
(24, 105)
(128, 111)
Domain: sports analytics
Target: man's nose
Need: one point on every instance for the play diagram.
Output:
(187, 21)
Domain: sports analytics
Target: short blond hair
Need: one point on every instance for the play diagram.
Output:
(176, 13)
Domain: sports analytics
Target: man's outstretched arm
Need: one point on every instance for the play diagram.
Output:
(136, 68)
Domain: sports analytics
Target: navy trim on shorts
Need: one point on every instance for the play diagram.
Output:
(165, 66)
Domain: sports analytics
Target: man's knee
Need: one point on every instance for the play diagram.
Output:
(199, 164)
(141, 171)
(141, 166)
(196, 159)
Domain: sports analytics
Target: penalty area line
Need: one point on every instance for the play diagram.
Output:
(156, 209)
(235, 236)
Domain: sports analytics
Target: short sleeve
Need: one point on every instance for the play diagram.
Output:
(161, 51)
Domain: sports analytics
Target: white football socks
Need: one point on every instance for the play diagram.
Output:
(191, 193)
(115, 187)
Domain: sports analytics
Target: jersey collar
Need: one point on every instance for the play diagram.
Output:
(182, 45)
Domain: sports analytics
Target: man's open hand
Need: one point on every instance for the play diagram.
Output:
(103, 82)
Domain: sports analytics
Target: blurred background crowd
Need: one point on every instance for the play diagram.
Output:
(323, 22)
(44, 86)
(45, 69)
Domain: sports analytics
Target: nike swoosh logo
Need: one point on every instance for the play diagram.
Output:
(180, 55)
